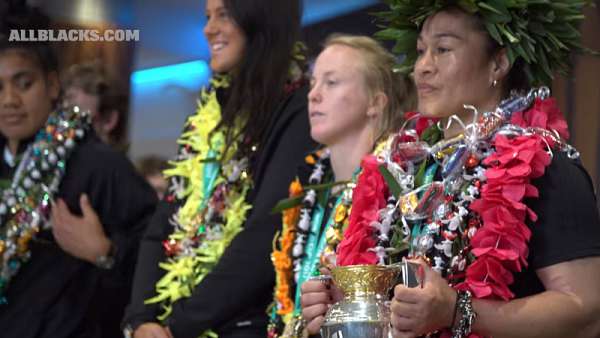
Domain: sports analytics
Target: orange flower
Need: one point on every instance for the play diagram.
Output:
(295, 188)
(310, 159)
(281, 258)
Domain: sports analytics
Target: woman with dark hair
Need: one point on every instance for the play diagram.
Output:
(213, 231)
(71, 209)
(500, 214)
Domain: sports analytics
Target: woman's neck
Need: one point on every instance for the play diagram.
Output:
(347, 154)
(13, 146)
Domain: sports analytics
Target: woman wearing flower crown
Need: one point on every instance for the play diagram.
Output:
(355, 100)
(499, 214)
(71, 209)
(204, 263)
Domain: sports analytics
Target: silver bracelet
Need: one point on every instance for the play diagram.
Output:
(464, 307)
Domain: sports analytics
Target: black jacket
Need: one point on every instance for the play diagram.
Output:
(233, 298)
(55, 295)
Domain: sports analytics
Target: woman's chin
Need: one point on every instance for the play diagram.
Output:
(320, 136)
(432, 112)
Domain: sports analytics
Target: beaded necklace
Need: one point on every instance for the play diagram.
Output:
(25, 205)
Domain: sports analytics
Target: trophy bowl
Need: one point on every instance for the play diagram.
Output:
(364, 310)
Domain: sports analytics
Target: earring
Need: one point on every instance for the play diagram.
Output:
(494, 83)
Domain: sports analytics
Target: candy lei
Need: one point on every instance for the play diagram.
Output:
(290, 258)
(25, 206)
(211, 183)
(471, 225)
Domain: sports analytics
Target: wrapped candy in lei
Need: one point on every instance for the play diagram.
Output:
(25, 205)
(458, 203)
(210, 183)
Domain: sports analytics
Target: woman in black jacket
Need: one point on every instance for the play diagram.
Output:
(71, 209)
(213, 231)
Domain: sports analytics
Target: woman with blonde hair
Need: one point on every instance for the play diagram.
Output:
(355, 101)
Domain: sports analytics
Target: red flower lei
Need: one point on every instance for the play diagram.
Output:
(368, 197)
(500, 244)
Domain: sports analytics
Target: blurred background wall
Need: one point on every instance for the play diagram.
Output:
(166, 67)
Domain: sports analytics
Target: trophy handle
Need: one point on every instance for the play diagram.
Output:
(408, 272)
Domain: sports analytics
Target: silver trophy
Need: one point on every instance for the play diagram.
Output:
(364, 311)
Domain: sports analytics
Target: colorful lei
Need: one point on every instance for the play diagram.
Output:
(461, 201)
(210, 182)
(289, 258)
(25, 205)
(211, 185)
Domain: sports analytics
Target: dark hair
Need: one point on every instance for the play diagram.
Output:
(151, 165)
(516, 78)
(271, 28)
(16, 15)
(92, 78)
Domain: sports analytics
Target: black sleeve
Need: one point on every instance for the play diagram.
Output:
(124, 203)
(244, 276)
(122, 199)
(568, 225)
(147, 271)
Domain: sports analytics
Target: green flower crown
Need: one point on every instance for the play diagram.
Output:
(540, 32)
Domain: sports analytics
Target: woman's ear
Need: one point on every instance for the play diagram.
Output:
(500, 66)
(111, 121)
(378, 103)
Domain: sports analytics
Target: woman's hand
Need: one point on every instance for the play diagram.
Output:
(80, 236)
(420, 310)
(317, 297)
(152, 330)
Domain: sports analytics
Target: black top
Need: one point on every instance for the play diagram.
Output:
(232, 299)
(568, 226)
(55, 295)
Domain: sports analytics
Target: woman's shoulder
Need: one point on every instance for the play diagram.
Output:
(568, 223)
(98, 157)
(565, 174)
(295, 101)
(291, 117)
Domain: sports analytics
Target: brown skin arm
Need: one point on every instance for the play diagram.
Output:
(570, 306)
